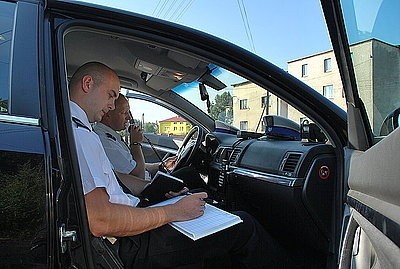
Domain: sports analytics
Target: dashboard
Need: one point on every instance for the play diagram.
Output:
(286, 184)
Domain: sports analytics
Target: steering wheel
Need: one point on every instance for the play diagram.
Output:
(191, 143)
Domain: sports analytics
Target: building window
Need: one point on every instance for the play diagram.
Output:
(175, 128)
(243, 104)
(327, 65)
(328, 91)
(304, 70)
(244, 125)
(265, 101)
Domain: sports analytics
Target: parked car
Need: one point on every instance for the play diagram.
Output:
(326, 188)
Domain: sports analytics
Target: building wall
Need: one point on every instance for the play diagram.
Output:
(254, 111)
(317, 78)
(386, 77)
(174, 128)
(362, 62)
(377, 69)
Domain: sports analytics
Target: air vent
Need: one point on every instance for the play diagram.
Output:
(223, 155)
(218, 155)
(290, 162)
(235, 153)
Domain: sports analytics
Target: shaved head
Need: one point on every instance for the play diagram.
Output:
(95, 69)
(94, 87)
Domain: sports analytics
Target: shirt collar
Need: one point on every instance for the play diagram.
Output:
(79, 113)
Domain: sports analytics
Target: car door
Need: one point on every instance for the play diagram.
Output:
(25, 232)
(365, 39)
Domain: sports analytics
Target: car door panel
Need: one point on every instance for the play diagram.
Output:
(375, 213)
(376, 171)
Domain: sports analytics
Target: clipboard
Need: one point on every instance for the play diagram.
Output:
(161, 184)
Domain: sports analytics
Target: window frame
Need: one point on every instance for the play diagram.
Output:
(328, 88)
(243, 104)
(304, 70)
(244, 122)
(327, 65)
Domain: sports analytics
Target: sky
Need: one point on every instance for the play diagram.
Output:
(277, 30)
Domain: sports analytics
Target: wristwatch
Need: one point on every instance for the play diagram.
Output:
(135, 144)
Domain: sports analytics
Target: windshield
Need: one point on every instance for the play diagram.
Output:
(241, 103)
(374, 36)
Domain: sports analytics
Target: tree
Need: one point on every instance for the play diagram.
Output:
(150, 127)
(221, 108)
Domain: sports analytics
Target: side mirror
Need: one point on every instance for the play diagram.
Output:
(390, 123)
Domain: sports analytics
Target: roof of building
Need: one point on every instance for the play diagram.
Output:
(241, 83)
(174, 119)
(352, 45)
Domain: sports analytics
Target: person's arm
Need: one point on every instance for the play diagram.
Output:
(135, 184)
(152, 167)
(136, 137)
(108, 219)
(169, 164)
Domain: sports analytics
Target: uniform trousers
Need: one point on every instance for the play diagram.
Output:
(245, 245)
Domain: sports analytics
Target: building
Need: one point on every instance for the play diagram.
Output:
(377, 65)
(251, 102)
(176, 126)
(320, 72)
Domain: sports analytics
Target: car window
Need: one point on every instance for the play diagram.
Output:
(374, 40)
(6, 33)
(164, 128)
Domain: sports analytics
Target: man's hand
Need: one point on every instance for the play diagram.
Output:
(136, 134)
(170, 163)
(171, 194)
(189, 207)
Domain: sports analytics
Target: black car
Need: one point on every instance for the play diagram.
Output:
(324, 183)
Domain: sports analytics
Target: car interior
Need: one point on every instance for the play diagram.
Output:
(285, 176)
(311, 151)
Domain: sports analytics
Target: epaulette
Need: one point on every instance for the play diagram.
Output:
(79, 123)
(111, 136)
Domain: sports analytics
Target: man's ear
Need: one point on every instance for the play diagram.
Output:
(87, 82)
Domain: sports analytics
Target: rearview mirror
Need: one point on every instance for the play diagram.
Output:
(204, 95)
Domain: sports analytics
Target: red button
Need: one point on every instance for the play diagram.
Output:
(324, 172)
